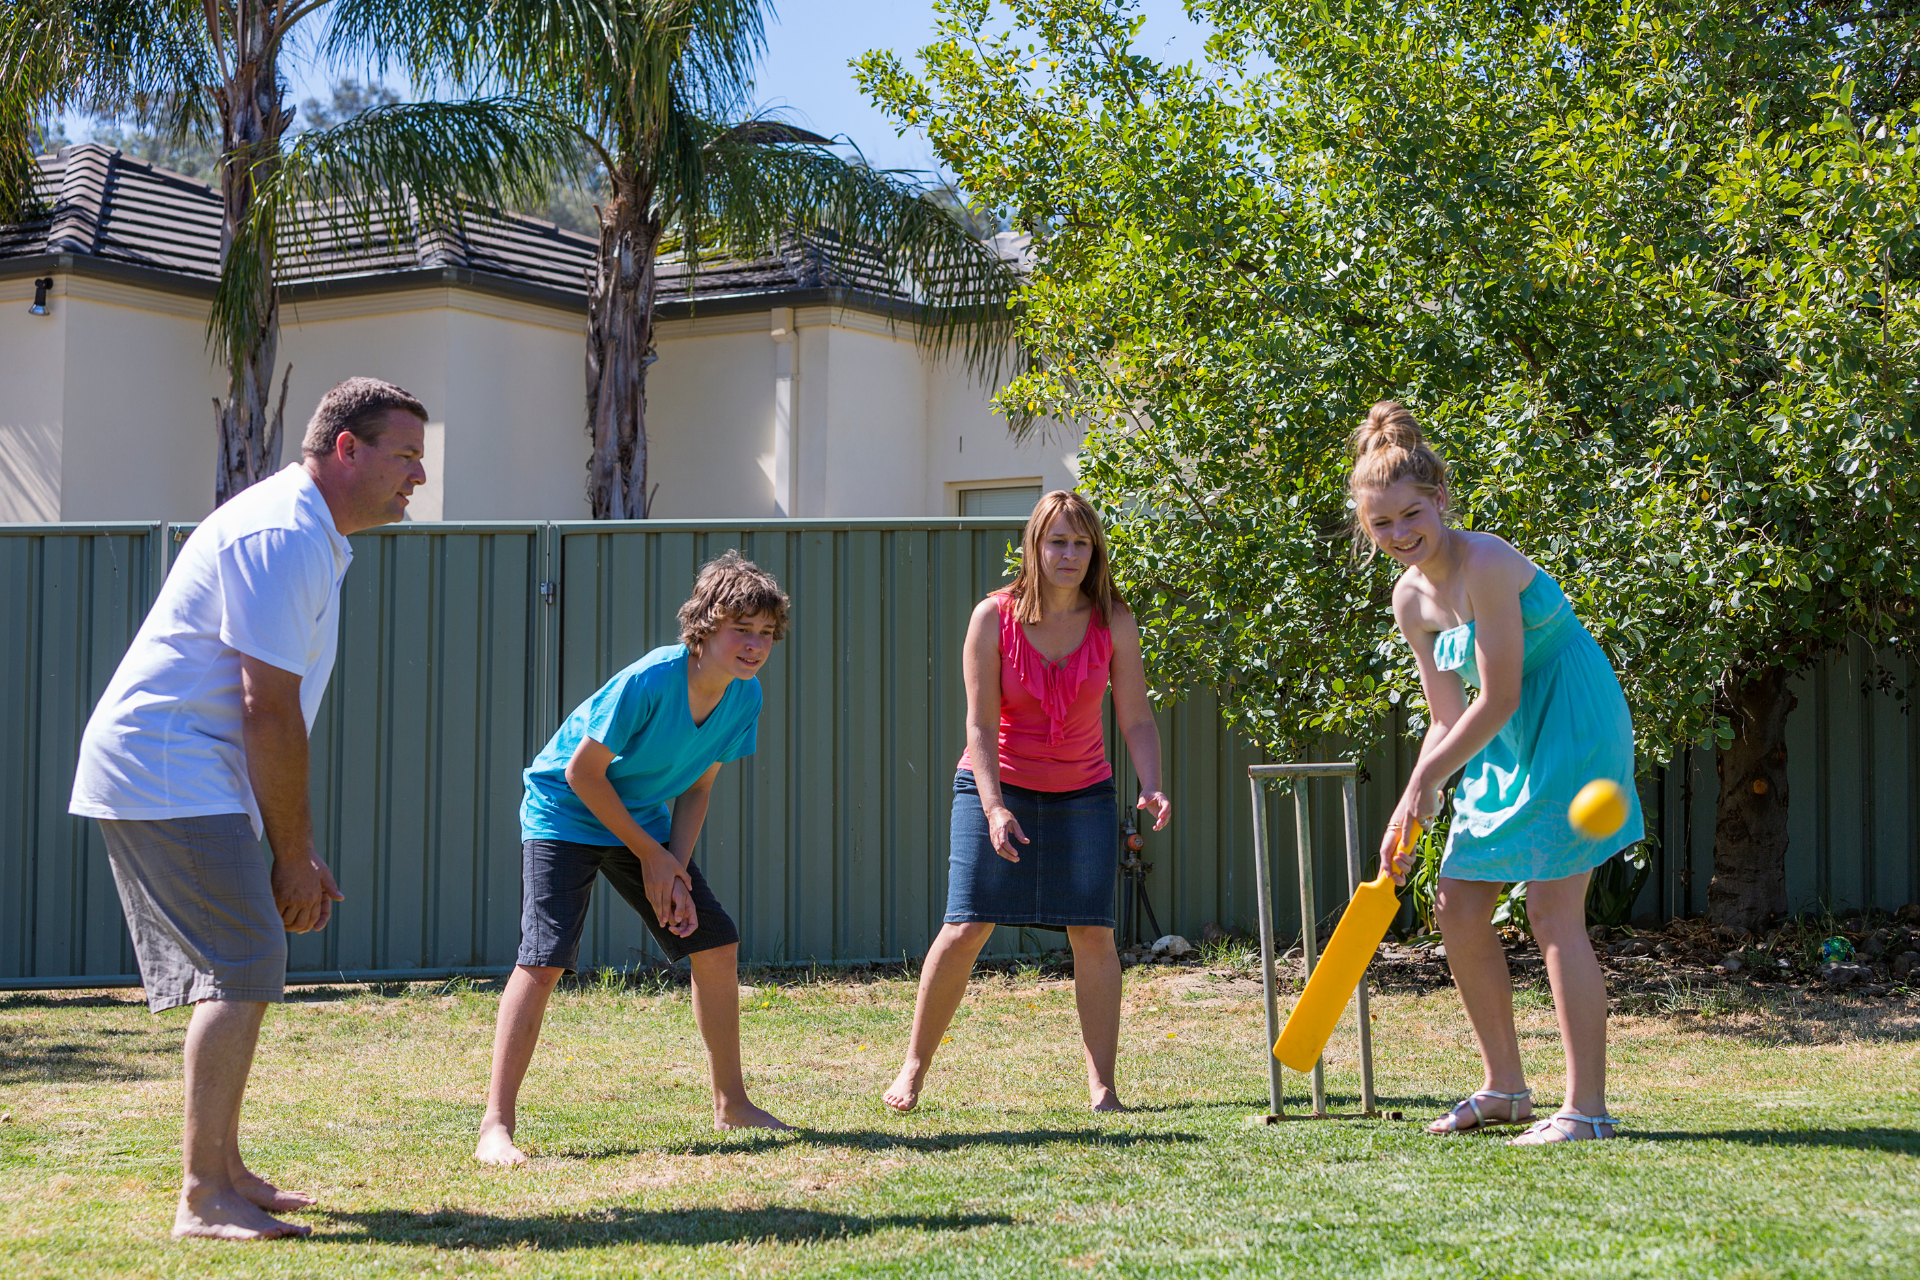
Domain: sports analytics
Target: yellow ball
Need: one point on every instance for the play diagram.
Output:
(1599, 810)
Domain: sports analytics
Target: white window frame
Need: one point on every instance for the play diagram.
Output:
(958, 489)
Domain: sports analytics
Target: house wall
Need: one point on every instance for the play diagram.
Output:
(871, 425)
(501, 378)
(32, 389)
(108, 411)
(874, 437)
(710, 426)
(968, 444)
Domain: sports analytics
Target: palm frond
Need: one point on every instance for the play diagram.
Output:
(753, 193)
(104, 57)
(605, 63)
(396, 170)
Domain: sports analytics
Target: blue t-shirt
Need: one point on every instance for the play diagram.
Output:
(641, 715)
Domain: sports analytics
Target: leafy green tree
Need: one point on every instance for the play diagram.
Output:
(658, 89)
(210, 68)
(1647, 273)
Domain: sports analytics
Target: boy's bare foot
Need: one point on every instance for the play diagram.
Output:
(257, 1190)
(225, 1214)
(744, 1115)
(904, 1094)
(1104, 1099)
(496, 1145)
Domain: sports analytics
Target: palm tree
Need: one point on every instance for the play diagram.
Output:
(658, 89)
(212, 67)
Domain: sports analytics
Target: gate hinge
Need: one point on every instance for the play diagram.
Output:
(549, 590)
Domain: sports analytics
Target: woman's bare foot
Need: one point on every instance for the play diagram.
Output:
(904, 1094)
(496, 1145)
(744, 1115)
(259, 1191)
(1104, 1098)
(222, 1213)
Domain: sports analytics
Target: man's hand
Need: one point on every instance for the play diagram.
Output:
(275, 734)
(304, 891)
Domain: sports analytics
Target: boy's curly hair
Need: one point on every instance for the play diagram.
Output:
(730, 586)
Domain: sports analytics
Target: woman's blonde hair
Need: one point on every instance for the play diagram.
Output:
(1097, 586)
(1388, 448)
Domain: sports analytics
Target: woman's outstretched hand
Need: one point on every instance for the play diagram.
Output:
(1157, 804)
(1003, 829)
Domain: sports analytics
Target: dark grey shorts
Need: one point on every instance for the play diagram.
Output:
(199, 904)
(557, 886)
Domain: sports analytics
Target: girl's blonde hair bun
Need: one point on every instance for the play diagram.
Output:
(1389, 447)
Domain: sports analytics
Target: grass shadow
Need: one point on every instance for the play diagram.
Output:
(621, 1226)
(879, 1140)
(1905, 1141)
(134, 999)
(32, 1059)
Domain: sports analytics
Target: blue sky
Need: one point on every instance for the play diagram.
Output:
(805, 70)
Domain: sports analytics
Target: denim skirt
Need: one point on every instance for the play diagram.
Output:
(1065, 876)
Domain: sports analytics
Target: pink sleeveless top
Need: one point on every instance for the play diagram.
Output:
(1050, 728)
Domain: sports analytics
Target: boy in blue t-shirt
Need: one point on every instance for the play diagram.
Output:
(621, 791)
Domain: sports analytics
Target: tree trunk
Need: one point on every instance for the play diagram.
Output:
(620, 347)
(252, 121)
(1750, 819)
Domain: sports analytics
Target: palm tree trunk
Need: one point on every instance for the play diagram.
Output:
(619, 349)
(252, 122)
(1750, 821)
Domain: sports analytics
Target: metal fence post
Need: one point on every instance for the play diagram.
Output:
(1350, 797)
(1309, 918)
(1276, 1097)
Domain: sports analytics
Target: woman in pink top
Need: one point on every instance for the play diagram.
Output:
(1036, 833)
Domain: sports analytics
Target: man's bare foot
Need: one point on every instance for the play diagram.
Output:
(496, 1145)
(259, 1191)
(744, 1115)
(225, 1214)
(904, 1094)
(1104, 1098)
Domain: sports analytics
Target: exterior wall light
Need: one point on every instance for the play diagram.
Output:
(40, 287)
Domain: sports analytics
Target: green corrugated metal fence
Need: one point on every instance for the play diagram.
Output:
(463, 644)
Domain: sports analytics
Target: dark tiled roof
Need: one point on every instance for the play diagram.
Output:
(98, 203)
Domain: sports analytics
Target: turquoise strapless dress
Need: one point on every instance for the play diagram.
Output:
(1572, 726)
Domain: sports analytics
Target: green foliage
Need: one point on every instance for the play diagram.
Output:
(1646, 273)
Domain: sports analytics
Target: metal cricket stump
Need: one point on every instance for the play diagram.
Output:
(1257, 775)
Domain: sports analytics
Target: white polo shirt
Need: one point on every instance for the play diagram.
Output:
(260, 576)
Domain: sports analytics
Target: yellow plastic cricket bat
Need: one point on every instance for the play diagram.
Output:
(1348, 952)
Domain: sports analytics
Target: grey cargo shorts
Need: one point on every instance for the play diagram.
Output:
(199, 904)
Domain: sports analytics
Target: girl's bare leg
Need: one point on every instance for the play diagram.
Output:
(1096, 993)
(1479, 966)
(1558, 911)
(943, 983)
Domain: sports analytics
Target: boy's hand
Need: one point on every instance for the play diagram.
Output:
(685, 918)
(662, 874)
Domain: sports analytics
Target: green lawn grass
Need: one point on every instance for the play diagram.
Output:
(1766, 1136)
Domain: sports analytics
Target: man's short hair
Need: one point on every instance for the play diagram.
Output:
(729, 587)
(359, 405)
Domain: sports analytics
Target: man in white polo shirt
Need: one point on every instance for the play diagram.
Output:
(199, 747)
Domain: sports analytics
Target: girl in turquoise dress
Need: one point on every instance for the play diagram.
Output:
(1549, 719)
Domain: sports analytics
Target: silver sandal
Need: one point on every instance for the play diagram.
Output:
(1471, 1101)
(1552, 1125)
